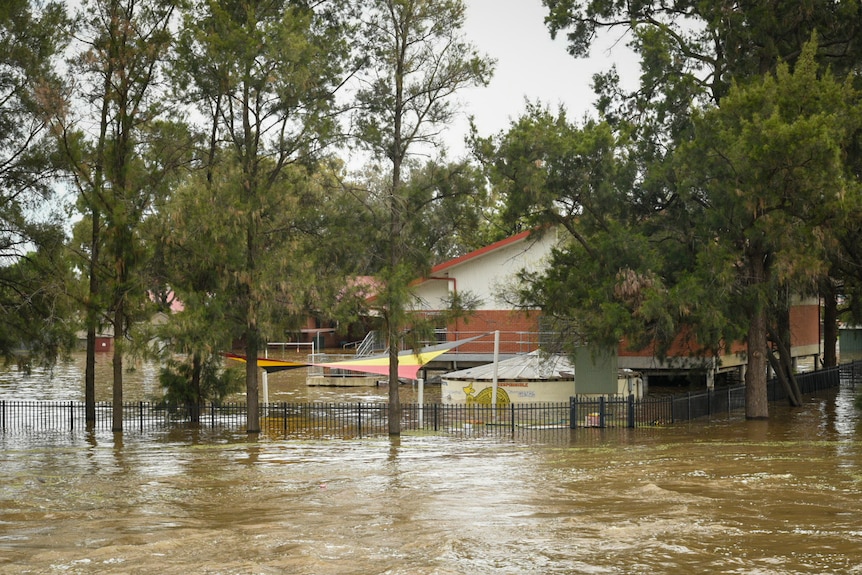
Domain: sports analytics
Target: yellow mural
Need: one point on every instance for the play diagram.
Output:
(484, 396)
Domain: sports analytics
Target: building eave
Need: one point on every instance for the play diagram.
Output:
(476, 254)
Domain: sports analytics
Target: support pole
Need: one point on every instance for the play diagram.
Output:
(496, 364)
(421, 401)
(264, 380)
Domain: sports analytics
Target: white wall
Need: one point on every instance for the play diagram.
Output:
(488, 274)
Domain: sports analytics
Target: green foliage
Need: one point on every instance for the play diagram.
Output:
(745, 147)
(763, 176)
(443, 208)
(206, 256)
(549, 171)
(416, 60)
(708, 44)
(264, 76)
(446, 204)
(768, 169)
(38, 317)
(606, 282)
(186, 383)
(35, 315)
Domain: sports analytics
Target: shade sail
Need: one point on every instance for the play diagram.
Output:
(269, 365)
(409, 361)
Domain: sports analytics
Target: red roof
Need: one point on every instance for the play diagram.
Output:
(480, 252)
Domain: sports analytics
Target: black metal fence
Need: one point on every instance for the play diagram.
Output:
(611, 411)
(350, 420)
(290, 420)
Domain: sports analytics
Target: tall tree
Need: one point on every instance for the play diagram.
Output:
(551, 173)
(417, 60)
(264, 75)
(691, 54)
(766, 179)
(702, 47)
(447, 203)
(754, 189)
(121, 45)
(31, 37)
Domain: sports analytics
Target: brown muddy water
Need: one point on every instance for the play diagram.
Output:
(65, 382)
(782, 496)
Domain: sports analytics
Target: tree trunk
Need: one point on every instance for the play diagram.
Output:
(784, 340)
(90, 376)
(394, 397)
(756, 400)
(92, 326)
(782, 364)
(251, 387)
(394, 311)
(92, 322)
(786, 379)
(830, 326)
(197, 403)
(117, 409)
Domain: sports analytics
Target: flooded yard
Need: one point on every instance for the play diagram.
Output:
(720, 495)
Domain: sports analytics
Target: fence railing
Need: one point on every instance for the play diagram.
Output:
(621, 411)
(288, 420)
(349, 420)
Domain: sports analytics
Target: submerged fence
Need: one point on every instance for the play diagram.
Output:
(349, 420)
(288, 420)
(657, 410)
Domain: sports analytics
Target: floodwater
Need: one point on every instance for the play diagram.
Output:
(65, 382)
(726, 495)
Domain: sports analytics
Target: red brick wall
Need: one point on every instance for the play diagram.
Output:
(805, 324)
(518, 331)
(519, 328)
(804, 330)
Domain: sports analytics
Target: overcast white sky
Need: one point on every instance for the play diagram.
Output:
(529, 65)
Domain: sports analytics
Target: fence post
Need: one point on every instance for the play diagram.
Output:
(573, 413)
(359, 418)
(631, 411)
(512, 409)
(602, 411)
(71, 416)
(284, 416)
(3, 414)
(141, 414)
(436, 428)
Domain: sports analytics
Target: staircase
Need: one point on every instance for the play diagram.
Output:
(373, 343)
